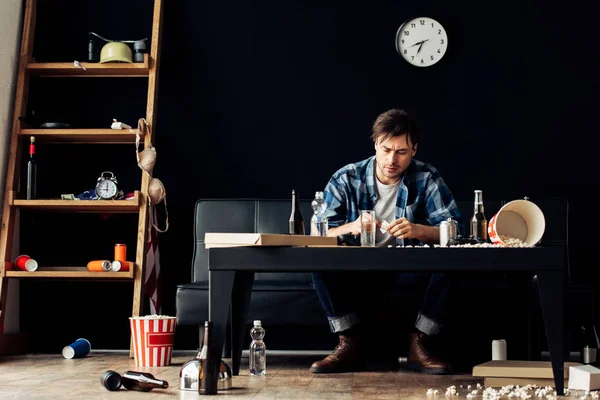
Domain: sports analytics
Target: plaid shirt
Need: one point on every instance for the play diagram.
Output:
(423, 197)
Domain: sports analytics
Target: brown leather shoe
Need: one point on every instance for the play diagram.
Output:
(345, 358)
(420, 357)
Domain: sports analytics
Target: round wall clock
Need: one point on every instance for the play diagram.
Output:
(421, 41)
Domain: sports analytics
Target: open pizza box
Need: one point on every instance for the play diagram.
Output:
(265, 239)
(515, 372)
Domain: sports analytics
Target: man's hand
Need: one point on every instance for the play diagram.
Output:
(403, 229)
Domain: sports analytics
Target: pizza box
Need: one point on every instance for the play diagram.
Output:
(213, 239)
(500, 373)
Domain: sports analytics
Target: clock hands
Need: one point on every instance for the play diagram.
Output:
(420, 45)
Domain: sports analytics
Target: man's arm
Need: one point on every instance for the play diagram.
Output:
(352, 227)
(427, 234)
(337, 214)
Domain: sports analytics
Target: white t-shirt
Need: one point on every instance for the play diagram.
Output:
(385, 209)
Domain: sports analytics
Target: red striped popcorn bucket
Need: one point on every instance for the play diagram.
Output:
(153, 337)
(518, 219)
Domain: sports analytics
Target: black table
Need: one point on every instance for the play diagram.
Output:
(231, 274)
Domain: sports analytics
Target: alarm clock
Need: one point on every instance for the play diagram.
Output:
(106, 187)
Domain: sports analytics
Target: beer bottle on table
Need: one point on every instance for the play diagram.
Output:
(208, 378)
(296, 222)
(479, 222)
(142, 381)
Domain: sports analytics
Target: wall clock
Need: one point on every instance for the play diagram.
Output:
(422, 41)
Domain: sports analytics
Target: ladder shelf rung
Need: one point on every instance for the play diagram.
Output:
(74, 135)
(69, 69)
(70, 272)
(89, 206)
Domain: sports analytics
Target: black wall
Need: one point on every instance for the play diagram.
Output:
(257, 98)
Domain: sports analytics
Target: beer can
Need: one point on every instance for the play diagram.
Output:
(448, 230)
(99, 266)
(117, 266)
(120, 252)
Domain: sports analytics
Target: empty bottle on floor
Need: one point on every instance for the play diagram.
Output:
(142, 381)
(208, 377)
(258, 350)
(589, 345)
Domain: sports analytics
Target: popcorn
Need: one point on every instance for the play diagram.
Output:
(513, 242)
(512, 392)
(153, 316)
(451, 391)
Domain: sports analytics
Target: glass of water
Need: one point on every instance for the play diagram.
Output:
(367, 228)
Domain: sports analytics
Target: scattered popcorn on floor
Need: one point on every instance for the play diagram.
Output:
(451, 391)
(532, 392)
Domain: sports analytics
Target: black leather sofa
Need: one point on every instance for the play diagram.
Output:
(287, 302)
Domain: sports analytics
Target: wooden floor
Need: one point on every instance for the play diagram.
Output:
(50, 376)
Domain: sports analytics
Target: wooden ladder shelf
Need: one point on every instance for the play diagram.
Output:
(138, 205)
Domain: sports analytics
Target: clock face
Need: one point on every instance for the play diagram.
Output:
(106, 189)
(422, 41)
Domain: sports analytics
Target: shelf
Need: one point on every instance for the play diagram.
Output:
(91, 136)
(68, 69)
(89, 206)
(70, 272)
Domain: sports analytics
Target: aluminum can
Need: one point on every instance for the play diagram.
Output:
(448, 230)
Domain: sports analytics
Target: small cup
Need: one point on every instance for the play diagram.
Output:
(367, 228)
(78, 349)
(26, 263)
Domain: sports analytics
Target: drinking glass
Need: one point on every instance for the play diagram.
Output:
(367, 228)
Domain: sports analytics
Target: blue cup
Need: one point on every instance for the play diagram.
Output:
(78, 349)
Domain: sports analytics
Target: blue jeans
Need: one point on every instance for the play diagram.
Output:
(340, 292)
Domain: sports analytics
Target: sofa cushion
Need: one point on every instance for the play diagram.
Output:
(270, 302)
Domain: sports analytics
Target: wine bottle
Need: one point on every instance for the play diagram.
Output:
(296, 222)
(31, 171)
(208, 378)
(479, 222)
(142, 381)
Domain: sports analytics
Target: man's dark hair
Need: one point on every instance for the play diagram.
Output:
(393, 123)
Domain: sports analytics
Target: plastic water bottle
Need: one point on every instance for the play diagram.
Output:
(258, 350)
(318, 222)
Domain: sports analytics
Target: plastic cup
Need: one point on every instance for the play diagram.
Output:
(26, 263)
(78, 349)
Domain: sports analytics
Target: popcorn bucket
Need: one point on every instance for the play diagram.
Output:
(518, 219)
(153, 337)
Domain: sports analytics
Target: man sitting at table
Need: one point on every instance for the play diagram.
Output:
(412, 196)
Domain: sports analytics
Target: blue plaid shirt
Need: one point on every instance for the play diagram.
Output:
(423, 197)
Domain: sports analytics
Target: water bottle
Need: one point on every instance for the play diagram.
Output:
(318, 222)
(258, 350)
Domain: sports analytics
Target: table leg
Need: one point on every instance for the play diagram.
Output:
(550, 286)
(220, 287)
(240, 303)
